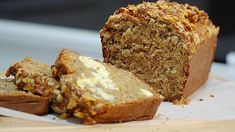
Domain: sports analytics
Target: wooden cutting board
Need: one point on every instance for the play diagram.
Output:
(9, 124)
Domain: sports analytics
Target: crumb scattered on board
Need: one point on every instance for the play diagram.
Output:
(200, 99)
(2, 74)
(182, 101)
(212, 95)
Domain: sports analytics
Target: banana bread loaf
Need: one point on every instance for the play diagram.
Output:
(12, 98)
(168, 45)
(34, 77)
(97, 92)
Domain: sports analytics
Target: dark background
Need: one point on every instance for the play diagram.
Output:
(92, 14)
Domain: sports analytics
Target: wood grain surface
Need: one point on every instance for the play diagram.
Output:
(8, 124)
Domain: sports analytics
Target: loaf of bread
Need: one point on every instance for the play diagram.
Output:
(168, 45)
(97, 92)
(12, 98)
(34, 77)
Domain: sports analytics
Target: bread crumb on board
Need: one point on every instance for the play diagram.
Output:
(2, 74)
(182, 101)
(212, 95)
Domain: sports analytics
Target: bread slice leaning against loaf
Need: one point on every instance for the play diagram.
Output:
(12, 98)
(97, 92)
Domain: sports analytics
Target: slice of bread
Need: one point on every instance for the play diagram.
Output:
(97, 92)
(34, 77)
(11, 98)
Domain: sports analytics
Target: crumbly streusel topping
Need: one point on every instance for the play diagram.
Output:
(184, 17)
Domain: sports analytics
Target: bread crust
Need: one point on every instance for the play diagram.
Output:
(200, 65)
(138, 110)
(24, 102)
(12, 98)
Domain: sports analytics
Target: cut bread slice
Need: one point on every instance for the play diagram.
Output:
(34, 77)
(12, 98)
(97, 92)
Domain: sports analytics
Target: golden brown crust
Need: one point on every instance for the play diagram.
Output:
(200, 65)
(11, 98)
(24, 102)
(139, 110)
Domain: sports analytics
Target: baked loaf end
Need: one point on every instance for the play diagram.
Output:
(12, 98)
(35, 77)
(97, 92)
(168, 45)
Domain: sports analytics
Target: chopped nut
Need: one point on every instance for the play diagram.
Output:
(174, 39)
(72, 103)
(182, 101)
(126, 53)
(51, 83)
(79, 114)
(64, 115)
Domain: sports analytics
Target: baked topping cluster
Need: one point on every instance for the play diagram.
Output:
(34, 77)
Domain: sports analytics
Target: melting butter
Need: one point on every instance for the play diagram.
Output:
(100, 76)
(104, 95)
(146, 92)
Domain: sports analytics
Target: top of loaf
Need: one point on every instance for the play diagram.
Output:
(188, 20)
